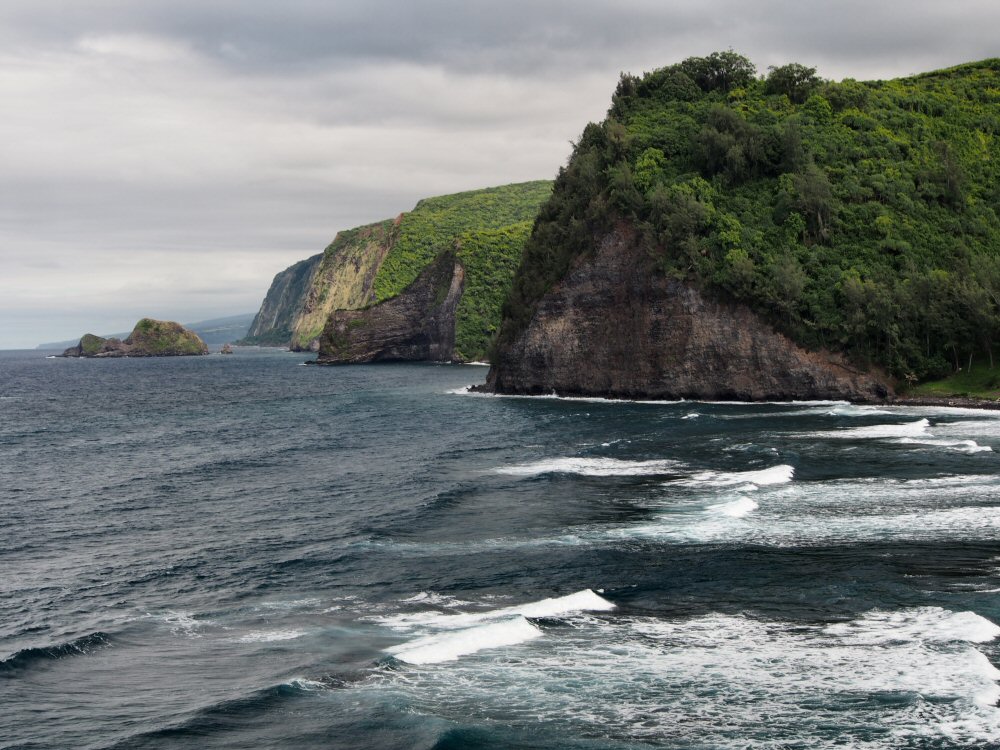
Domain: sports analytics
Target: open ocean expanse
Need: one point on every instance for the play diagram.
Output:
(243, 552)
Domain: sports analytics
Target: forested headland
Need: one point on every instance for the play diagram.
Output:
(858, 217)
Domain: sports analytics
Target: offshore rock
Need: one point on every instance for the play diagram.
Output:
(149, 338)
(615, 327)
(416, 325)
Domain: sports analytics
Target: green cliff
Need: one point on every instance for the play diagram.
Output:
(369, 265)
(343, 279)
(855, 218)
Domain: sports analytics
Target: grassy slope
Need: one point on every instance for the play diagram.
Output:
(981, 381)
(434, 224)
(490, 258)
(860, 217)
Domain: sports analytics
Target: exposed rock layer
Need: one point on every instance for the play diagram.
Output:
(417, 325)
(615, 327)
(343, 280)
(149, 338)
(274, 321)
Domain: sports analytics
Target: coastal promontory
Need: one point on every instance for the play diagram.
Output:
(149, 338)
(729, 235)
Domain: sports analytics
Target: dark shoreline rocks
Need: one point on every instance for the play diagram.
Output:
(149, 338)
(416, 325)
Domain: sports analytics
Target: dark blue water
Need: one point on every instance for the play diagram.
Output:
(242, 552)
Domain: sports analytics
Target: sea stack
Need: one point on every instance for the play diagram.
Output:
(149, 338)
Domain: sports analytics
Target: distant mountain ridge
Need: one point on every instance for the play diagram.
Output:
(214, 331)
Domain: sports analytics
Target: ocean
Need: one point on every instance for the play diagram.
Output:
(244, 552)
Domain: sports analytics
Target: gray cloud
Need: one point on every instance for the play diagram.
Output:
(175, 154)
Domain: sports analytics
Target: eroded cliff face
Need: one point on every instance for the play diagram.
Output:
(274, 321)
(615, 327)
(343, 280)
(416, 325)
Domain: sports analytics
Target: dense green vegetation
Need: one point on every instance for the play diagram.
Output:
(856, 216)
(979, 381)
(490, 258)
(434, 224)
(164, 337)
(91, 344)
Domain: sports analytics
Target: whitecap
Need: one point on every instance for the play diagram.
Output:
(267, 636)
(591, 467)
(876, 431)
(289, 604)
(926, 624)
(963, 446)
(854, 410)
(646, 679)
(303, 683)
(581, 601)
(781, 474)
(735, 508)
(183, 623)
(433, 598)
(450, 646)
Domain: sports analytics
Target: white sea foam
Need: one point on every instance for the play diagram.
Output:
(854, 410)
(735, 508)
(706, 681)
(582, 601)
(781, 474)
(591, 467)
(555, 397)
(303, 683)
(924, 624)
(439, 600)
(453, 644)
(184, 623)
(963, 446)
(290, 604)
(877, 431)
(266, 636)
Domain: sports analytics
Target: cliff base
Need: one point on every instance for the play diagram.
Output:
(616, 327)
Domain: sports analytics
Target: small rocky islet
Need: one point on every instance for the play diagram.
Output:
(149, 338)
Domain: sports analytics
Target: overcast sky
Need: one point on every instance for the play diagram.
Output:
(168, 157)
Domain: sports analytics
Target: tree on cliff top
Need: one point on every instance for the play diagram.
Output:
(855, 216)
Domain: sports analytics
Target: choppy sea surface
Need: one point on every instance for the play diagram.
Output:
(242, 552)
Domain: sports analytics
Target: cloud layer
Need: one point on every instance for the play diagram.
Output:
(167, 158)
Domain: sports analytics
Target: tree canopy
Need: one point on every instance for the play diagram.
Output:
(856, 216)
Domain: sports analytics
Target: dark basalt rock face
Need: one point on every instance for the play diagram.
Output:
(149, 338)
(616, 327)
(416, 325)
